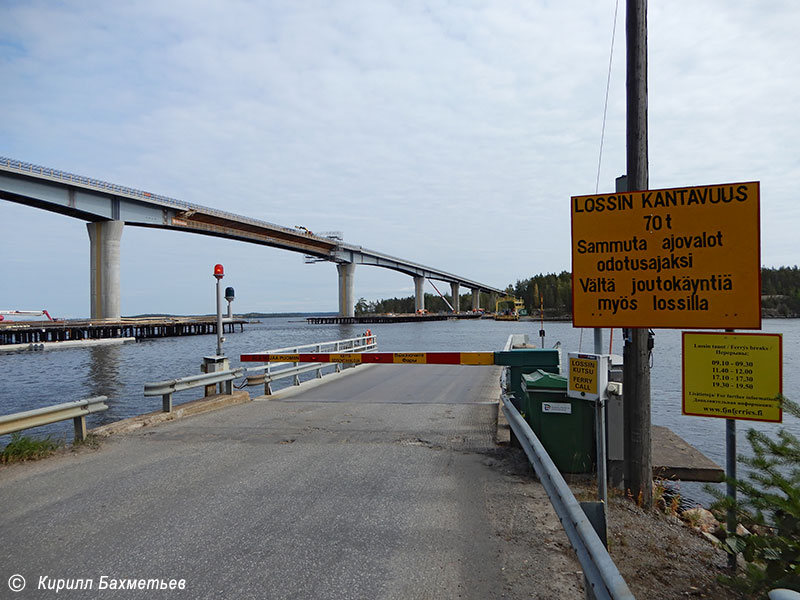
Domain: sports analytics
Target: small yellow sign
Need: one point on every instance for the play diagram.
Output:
(583, 376)
(733, 375)
(682, 258)
(412, 358)
(345, 357)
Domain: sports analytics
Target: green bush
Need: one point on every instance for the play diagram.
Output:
(768, 506)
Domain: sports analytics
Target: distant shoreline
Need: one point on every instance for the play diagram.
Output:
(547, 318)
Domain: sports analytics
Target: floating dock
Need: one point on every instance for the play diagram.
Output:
(398, 318)
(38, 332)
(675, 458)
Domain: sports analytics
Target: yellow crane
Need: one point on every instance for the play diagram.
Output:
(511, 310)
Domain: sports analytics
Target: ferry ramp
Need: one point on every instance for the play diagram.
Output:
(385, 482)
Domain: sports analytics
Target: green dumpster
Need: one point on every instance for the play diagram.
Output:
(527, 360)
(564, 425)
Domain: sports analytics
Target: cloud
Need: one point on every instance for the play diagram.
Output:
(451, 134)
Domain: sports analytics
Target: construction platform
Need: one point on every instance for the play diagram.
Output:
(38, 332)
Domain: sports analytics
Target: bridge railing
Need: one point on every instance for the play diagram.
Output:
(98, 184)
(270, 372)
(47, 415)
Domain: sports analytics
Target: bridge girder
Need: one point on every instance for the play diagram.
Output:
(97, 201)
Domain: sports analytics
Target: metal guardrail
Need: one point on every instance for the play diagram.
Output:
(598, 567)
(165, 389)
(268, 373)
(76, 411)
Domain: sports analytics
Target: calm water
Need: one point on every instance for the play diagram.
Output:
(34, 379)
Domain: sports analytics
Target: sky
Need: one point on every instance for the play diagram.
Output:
(451, 134)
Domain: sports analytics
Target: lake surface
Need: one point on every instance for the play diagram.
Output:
(35, 379)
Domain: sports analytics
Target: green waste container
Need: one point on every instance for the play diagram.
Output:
(564, 425)
(527, 360)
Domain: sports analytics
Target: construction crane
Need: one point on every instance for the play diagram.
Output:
(26, 313)
(442, 295)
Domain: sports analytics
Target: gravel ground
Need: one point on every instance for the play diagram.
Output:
(658, 556)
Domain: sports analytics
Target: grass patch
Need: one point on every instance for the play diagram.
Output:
(22, 448)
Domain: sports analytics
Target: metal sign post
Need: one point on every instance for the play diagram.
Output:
(730, 472)
(732, 376)
(588, 380)
(219, 273)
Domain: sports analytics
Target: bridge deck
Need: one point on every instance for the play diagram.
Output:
(371, 497)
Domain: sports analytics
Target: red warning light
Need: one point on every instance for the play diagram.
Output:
(219, 272)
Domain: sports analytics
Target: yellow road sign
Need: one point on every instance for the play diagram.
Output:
(583, 376)
(675, 258)
(733, 375)
(411, 358)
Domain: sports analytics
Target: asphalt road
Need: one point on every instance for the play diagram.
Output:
(384, 483)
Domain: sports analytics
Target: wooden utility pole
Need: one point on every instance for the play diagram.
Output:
(636, 375)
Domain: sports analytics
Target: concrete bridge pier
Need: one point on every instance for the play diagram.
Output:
(419, 293)
(476, 298)
(104, 292)
(454, 291)
(347, 304)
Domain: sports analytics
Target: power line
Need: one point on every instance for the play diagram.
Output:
(605, 107)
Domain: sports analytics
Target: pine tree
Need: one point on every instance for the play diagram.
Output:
(770, 510)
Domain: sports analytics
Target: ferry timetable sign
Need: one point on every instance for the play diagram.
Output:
(675, 258)
(733, 375)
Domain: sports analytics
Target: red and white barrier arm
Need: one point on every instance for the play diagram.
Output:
(408, 358)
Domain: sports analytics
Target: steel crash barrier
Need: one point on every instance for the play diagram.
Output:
(599, 569)
(602, 576)
(165, 389)
(76, 411)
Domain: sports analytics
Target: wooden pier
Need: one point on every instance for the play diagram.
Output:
(36, 332)
(398, 318)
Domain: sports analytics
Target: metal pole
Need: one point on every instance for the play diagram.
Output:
(638, 451)
(602, 475)
(219, 319)
(730, 471)
(600, 430)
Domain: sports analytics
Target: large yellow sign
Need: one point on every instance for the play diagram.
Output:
(675, 258)
(733, 375)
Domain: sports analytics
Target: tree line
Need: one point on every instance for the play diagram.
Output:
(433, 303)
(780, 292)
(551, 294)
